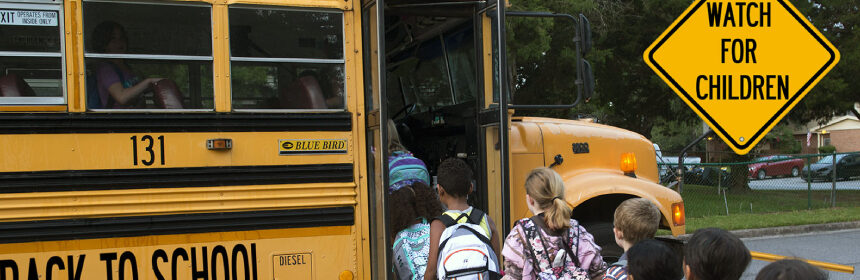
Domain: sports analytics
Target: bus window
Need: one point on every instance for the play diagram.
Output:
(460, 50)
(148, 56)
(284, 59)
(31, 54)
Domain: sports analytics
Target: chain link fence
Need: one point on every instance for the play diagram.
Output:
(762, 183)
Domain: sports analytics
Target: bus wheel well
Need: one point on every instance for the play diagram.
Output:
(599, 209)
(596, 215)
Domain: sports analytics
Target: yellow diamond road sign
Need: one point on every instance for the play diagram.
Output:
(741, 65)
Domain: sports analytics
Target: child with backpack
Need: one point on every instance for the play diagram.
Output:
(715, 254)
(550, 245)
(636, 219)
(463, 240)
(415, 205)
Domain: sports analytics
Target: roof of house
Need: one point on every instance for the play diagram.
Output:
(841, 123)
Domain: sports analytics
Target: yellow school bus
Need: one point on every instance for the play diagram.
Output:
(242, 139)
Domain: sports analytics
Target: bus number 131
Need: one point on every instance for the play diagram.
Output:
(147, 141)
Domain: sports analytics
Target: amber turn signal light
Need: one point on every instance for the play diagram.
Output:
(219, 144)
(628, 162)
(678, 213)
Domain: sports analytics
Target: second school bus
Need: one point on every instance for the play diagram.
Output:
(250, 144)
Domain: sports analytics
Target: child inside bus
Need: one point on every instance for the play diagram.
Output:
(454, 185)
(715, 254)
(118, 86)
(636, 219)
(403, 167)
(789, 269)
(414, 205)
(550, 243)
(650, 259)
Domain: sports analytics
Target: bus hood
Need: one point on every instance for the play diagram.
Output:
(588, 147)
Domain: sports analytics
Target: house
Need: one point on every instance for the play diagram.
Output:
(841, 132)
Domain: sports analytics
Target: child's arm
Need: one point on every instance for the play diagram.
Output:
(514, 256)
(436, 229)
(494, 238)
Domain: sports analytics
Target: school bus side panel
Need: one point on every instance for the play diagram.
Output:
(312, 253)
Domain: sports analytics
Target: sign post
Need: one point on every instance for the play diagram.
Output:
(741, 65)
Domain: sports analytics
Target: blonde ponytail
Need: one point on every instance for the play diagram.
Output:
(546, 187)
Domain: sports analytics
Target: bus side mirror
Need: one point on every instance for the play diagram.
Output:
(587, 80)
(585, 33)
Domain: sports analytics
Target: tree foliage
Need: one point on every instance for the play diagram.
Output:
(628, 93)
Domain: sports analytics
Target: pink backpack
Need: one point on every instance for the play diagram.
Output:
(563, 265)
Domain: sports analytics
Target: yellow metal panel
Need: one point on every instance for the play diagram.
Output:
(526, 154)
(525, 138)
(494, 199)
(135, 202)
(355, 104)
(34, 152)
(332, 4)
(606, 145)
(75, 80)
(582, 186)
(326, 253)
(221, 57)
(351, 61)
(521, 165)
(58, 108)
(487, 52)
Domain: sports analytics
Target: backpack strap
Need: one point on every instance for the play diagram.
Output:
(536, 231)
(477, 234)
(446, 220)
(527, 244)
(476, 216)
(573, 255)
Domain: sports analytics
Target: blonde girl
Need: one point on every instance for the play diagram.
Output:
(550, 243)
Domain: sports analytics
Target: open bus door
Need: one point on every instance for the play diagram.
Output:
(432, 68)
(377, 172)
(495, 116)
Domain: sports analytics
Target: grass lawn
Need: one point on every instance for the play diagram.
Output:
(703, 201)
(761, 209)
(765, 220)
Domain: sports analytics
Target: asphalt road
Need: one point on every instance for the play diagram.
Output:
(841, 247)
(796, 183)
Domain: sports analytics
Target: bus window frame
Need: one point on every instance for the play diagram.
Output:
(61, 53)
(327, 61)
(163, 57)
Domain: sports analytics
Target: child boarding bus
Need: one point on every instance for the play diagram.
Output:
(242, 139)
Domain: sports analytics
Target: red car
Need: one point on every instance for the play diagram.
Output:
(776, 166)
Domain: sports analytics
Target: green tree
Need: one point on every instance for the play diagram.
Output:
(628, 93)
(839, 21)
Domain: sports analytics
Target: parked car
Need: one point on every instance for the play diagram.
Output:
(847, 166)
(778, 165)
(708, 176)
(668, 165)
